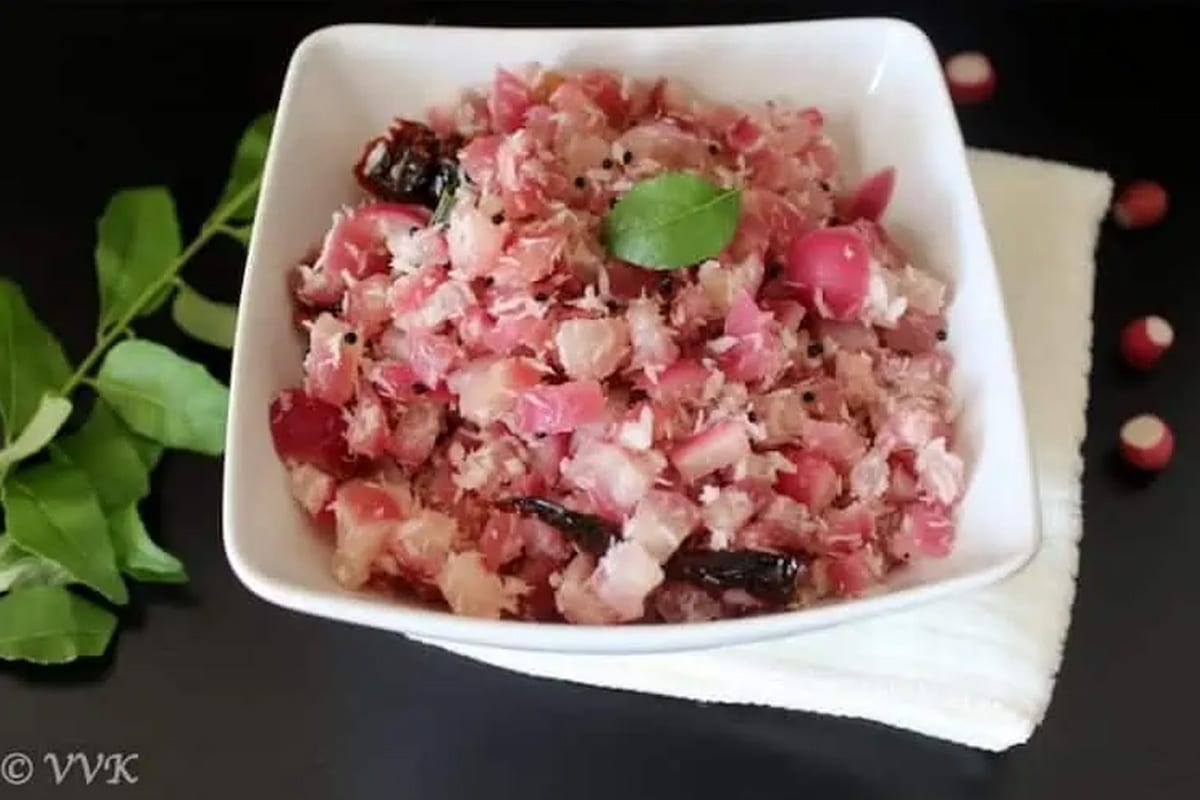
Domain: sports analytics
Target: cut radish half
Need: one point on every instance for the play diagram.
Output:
(1145, 340)
(970, 77)
(1147, 443)
(830, 268)
(1141, 204)
(870, 198)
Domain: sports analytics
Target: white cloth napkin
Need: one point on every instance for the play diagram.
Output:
(979, 668)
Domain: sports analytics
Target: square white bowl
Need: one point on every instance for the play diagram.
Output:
(880, 85)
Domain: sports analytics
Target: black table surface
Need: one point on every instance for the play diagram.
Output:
(220, 693)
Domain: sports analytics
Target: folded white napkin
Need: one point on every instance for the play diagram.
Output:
(977, 668)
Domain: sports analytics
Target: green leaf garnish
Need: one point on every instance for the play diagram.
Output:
(673, 220)
(207, 320)
(50, 625)
(20, 568)
(164, 396)
(137, 554)
(247, 167)
(51, 413)
(74, 518)
(31, 361)
(107, 452)
(137, 241)
(52, 511)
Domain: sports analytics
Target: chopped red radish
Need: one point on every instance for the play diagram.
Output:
(814, 482)
(722, 445)
(970, 77)
(837, 442)
(1145, 340)
(307, 430)
(501, 540)
(929, 527)
(312, 488)
(561, 408)
(416, 433)
(432, 356)
(422, 541)
(1140, 204)
(685, 381)
(870, 198)
(575, 598)
(624, 577)
(367, 425)
(357, 244)
(488, 389)
(683, 602)
(365, 304)
(650, 335)
(592, 348)
(1147, 443)
(915, 332)
(852, 336)
(660, 523)
(367, 514)
(471, 590)
(613, 478)
(331, 364)
(508, 101)
(831, 268)
(546, 455)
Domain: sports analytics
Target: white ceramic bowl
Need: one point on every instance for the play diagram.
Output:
(881, 87)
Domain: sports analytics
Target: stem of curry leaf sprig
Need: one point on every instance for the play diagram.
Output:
(212, 226)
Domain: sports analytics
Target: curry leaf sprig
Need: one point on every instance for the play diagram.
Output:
(72, 533)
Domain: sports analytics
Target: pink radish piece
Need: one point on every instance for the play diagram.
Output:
(1140, 204)
(870, 198)
(1147, 443)
(722, 445)
(814, 482)
(561, 408)
(1145, 340)
(970, 77)
(357, 244)
(830, 268)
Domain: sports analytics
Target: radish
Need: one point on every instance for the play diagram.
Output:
(870, 198)
(1145, 340)
(970, 77)
(830, 267)
(1147, 443)
(814, 482)
(308, 430)
(561, 408)
(1140, 204)
(722, 445)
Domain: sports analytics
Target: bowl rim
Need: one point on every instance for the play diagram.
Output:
(378, 611)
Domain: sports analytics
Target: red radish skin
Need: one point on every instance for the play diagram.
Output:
(1147, 443)
(970, 77)
(1140, 204)
(830, 268)
(870, 198)
(1144, 341)
(306, 430)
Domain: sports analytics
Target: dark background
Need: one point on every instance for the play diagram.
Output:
(221, 694)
